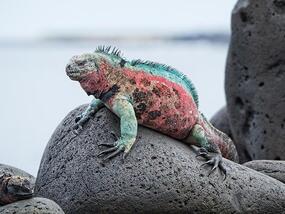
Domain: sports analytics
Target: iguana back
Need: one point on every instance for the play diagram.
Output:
(169, 73)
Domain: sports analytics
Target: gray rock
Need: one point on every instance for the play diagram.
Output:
(275, 169)
(6, 169)
(33, 205)
(159, 175)
(221, 121)
(255, 76)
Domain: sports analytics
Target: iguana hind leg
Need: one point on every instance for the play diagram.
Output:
(208, 149)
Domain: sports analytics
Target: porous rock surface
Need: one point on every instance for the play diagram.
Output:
(6, 169)
(160, 175)
(275, 169)
(255, 76)
(32, 206)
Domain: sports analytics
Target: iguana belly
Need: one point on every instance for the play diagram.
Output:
(163, 105)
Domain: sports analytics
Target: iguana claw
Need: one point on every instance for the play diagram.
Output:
(114, 149)
(76, 129)
(78, 117)
(114, 135)
(216, 161)
(110, 144)
(223, 169)
(84, 116)
(80, 120)
(106, 144)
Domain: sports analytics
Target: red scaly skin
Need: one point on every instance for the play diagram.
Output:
(161, 104)
(94, 84)
(167, 107)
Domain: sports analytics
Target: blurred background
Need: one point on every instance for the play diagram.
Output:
(37, 38)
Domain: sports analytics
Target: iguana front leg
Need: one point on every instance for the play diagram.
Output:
(81, 119)
(128, 125)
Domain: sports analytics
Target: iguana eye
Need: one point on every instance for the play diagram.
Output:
(81, 63)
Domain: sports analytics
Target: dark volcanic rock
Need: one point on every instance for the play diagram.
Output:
(255, 76)
(159, 175)
(275, 169)
(33, 205)
(221, 121)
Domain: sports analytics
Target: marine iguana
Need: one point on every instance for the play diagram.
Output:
(14, 188)
(150, 94)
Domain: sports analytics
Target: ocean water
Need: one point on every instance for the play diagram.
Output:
(36, 94)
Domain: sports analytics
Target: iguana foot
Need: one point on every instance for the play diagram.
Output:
(216, 161)
(116, 148)
(80, 120)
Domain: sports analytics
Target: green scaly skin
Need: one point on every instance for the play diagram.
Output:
(147, 93)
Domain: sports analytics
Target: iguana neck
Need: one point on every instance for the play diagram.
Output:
(95, 84)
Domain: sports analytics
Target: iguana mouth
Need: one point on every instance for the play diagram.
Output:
(72, 73)
(75, 75)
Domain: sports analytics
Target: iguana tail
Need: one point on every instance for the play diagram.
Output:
(225, 143)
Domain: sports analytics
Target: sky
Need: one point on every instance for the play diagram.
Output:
(34, 18)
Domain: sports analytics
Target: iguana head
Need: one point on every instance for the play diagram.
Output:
(14, 188)
(81, 65)
(92, 69)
